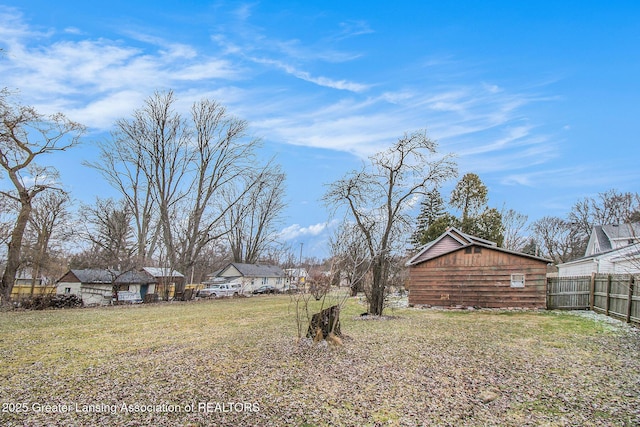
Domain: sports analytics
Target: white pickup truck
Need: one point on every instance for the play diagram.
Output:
(221, 290)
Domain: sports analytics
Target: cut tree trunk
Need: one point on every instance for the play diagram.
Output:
(327, 321)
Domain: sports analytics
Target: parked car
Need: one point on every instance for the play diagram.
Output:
(265, 289)
(292, 289)
(221, 290)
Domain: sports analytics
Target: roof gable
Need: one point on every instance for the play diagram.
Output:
(252, 270)
(452, 240)
(604, 238)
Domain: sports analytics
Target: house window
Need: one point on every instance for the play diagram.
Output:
(67, 290)
(517, 280)
(468, 250)
(477, 250)
(265, 280)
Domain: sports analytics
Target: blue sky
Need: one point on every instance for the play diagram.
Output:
(538, 98)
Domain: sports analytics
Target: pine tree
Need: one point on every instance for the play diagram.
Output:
(431, 209)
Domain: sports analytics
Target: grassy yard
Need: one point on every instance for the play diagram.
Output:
(237, 362)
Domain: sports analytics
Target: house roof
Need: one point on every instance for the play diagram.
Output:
(603, 237)
(255, 270)
(453, 240)
(162, 272)
(92, 275)
(626, 252)
(134, 276)
(621, 231)
(105, 276)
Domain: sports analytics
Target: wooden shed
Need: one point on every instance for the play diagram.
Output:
(458, 269)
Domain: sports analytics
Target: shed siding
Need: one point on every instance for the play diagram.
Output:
(447, 244)
(478, 279)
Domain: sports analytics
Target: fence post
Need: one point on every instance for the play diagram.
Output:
(608, 295)
(592, 291)
(630, 300)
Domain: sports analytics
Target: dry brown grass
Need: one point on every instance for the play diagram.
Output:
(419, 367)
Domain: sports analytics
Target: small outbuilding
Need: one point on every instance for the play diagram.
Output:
(100, 286)
(458, 269)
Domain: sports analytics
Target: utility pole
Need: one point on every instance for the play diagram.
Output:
(301, 244)
(300, 266)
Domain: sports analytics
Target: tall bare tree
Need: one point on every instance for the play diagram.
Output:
(49, 220)
(609, 207)
(252, 222)
(377, 198)
(351, 260)
(514, 224)
(121, 163)
(107, 226)
(25, 136)
(182, 169)
(560, 239)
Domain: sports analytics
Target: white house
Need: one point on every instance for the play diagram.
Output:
(297, 276)
(612, 249)
(252, 276)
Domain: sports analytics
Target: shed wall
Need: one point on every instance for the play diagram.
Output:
(478, 279)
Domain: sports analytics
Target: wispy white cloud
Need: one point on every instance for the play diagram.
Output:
(306, 76)
(296, 231)
(97, 80)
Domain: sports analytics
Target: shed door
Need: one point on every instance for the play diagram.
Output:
(143, 290)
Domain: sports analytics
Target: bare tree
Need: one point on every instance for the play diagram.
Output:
(25, 136)
(351, 257)
(609, 207)
(183, 170)
(121, 163)
(253, 219)
(562, 241)
(514, 224)
(8, 209)
(49, 216)
(107, 226)
(377, 199)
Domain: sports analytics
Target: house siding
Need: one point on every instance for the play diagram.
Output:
(478, 279)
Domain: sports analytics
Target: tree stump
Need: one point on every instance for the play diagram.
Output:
(327, 321)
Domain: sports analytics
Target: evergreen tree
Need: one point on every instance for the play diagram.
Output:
(431, 208)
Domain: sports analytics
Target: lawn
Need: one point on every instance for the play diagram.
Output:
(237, 362)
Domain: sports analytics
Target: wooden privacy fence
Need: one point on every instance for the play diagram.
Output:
(614, 295)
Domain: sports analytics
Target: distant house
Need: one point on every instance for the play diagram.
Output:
(97, 286)
(458, 269)
(297, 276)
(612, 249)
(252, 276)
